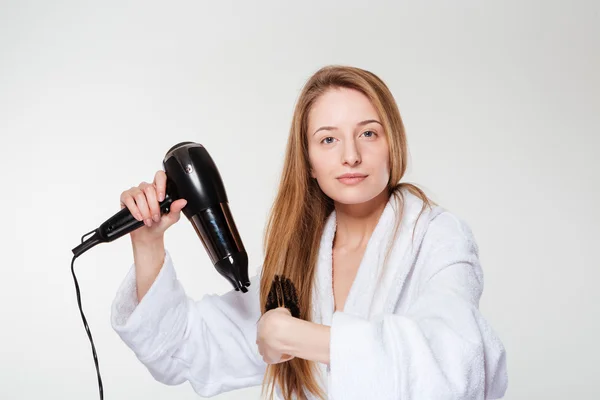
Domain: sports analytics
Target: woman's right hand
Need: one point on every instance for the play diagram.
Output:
(143, 203)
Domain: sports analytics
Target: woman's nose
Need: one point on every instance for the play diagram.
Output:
(351, 154)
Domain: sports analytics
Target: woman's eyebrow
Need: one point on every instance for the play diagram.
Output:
(332, 128)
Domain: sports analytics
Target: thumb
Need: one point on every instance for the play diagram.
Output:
(286, 357)
(178, 205)
(174, 211)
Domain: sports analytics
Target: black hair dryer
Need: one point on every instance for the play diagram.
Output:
(191, 175)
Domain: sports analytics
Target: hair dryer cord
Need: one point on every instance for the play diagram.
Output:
(85, 324)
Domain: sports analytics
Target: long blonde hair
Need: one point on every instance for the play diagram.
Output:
(299, 212)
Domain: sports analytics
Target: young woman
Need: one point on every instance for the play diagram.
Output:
(387, 283)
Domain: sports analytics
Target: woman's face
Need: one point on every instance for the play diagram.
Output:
(345, 135)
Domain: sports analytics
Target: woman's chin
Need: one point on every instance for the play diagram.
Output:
(353, 196)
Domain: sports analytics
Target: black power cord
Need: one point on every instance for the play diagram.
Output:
(85, 324)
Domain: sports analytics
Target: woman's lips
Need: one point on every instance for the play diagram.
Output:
(353, 180)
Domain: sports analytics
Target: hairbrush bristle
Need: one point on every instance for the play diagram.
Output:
(283, 294)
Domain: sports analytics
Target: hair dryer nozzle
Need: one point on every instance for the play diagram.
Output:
(235, 269)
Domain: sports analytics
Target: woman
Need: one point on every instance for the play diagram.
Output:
(387, 283)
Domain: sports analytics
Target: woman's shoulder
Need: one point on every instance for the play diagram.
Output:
(439, 224)
(437, 215)
(444, 238)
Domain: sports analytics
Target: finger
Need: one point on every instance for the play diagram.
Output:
(282, 358)
(160, 182)
(128, 201)
(275, 357)
(142, 204)
(285, 310)
(150, 192)
(178, 205)
(173, 215)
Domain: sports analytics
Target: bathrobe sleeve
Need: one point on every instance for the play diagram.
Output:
(211, 342)
(441, 348)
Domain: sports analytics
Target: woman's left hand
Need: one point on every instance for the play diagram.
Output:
(270, 334)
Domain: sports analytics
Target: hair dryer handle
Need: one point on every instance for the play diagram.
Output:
(124, 222)
(120, 224)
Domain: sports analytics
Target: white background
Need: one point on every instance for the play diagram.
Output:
(501, 104)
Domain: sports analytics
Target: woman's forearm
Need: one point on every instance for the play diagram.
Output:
(148, 259)
(307, 340)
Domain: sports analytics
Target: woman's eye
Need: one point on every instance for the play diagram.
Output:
(325, 140)
(369, 132)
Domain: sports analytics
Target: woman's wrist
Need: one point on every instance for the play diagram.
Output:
(305, 339)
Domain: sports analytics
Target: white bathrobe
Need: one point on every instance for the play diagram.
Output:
(418, 335)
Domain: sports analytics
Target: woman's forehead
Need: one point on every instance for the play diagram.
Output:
(341, 107)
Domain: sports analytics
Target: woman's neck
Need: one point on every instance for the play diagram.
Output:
(356, 222)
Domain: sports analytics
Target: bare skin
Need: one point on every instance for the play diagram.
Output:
(345, 267)
(354, 229)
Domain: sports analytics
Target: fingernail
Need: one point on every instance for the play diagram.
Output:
(161, 196)
(148, 222)
(138, 216)
(156, 218)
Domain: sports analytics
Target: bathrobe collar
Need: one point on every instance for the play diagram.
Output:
(366, 298)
